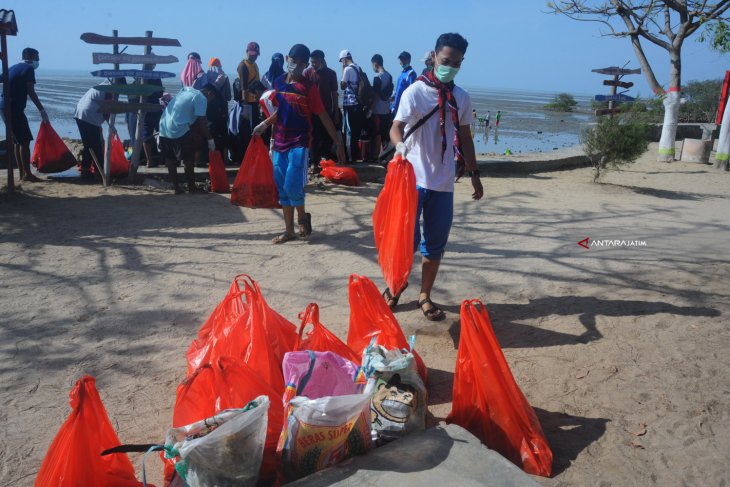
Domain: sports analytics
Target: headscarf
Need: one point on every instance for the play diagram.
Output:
(193, 70)
(277, 67)
(446, 100)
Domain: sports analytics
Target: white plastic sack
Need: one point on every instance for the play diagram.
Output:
(322, 432)
(399, 396)
(225, 450)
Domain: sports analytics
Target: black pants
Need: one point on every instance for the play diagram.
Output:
(245, 130)
(91, 138)
(356, 121)
(321, 143)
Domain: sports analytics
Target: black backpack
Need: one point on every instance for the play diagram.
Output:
(364, 93)
(387, 91)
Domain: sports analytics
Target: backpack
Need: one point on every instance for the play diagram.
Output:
(385, 93)
(364, 93)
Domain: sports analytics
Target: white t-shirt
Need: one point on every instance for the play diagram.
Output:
(87, 109)
(352, 78)
(424, 145)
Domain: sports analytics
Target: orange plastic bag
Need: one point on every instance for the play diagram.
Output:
(254, 186)
(394, 223)
(217, 173)
(230, 331)
(227, 384)
(50, 153)
(320, 339)
(370, 316)
(327, 163)
(487, 400)
(341, 175)
(118, 159)
(73, 459)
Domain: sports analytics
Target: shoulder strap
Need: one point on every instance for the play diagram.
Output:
(420, 122)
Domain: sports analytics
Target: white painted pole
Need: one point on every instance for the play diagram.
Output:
(723, 144)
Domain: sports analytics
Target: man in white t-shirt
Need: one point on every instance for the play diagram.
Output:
(438, 153)
(354, 112)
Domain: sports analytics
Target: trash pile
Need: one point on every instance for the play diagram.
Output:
(265, 402)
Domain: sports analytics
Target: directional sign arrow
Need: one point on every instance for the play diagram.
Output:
(616, 71)
(131, 73)
(620, 84)
(618, 97)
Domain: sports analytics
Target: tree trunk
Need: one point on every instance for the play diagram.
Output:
(723, 145)
(671, 111)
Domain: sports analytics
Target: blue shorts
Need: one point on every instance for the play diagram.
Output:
(290, 175)
(437, 208)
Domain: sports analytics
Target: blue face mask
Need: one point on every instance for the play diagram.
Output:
(36, 64)
(445, 74)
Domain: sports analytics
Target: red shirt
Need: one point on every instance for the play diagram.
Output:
(326, 81)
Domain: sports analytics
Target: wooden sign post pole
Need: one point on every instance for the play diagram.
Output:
(138, 142)
(613, 92)
(110, 134)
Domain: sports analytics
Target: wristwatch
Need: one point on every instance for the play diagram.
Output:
(475, 172)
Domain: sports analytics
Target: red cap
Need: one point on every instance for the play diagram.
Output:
(253, 47)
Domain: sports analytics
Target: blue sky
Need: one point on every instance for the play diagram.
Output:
(512, 45)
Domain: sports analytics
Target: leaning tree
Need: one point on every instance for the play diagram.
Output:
(665, 23)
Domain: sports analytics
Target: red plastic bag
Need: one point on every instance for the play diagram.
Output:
(50, 153)
(73, 459)
(118, 159)
(394, 222)
(327, 163)
(244, 326)
(228, 384)
(254, 186)
(217, 173)
(221, 322)
(487, 400)
(341, 175)
(370, 316)
(320, 339)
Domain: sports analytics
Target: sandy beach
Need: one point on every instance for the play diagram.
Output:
(621, 351)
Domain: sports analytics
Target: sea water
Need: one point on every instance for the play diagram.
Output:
(525, 126)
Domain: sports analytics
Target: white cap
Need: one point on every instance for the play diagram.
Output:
(344, 53)
(427, 55)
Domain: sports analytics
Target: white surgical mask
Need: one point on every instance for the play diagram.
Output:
(294, 68)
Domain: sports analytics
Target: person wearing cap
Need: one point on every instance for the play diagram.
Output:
(382, 89)
(297, 99)
(428, 61)
(251, 88)
(21, 86)
(406, 79)
(439, 150)
(354, 112)
(182, 119)
(325, 79)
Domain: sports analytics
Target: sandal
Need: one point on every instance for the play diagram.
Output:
(283, 238)
(434, 313)
(305, 225)
(388, 296)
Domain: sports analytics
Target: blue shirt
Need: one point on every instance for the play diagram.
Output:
(181, 113)
(406, 79)
(18, 78)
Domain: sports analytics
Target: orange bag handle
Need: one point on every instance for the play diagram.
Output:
(309, 316)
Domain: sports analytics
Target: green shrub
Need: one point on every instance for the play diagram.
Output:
(615, 141)
(563, 102)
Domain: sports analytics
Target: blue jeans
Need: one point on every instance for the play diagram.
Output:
(437, 208)
(290, 175)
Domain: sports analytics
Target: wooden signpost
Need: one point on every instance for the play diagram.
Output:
(139, 90)
(614, 83)
(90, 38)
(131, 73)
(135, 89)
(116, 59)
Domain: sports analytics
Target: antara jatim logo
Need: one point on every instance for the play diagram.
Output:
(587, 243)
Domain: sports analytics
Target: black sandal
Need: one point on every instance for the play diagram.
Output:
(432, 314)
(305, 225)
(388, 296)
